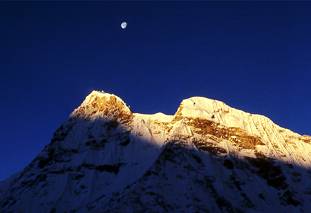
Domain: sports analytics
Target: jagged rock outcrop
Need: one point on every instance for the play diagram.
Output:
(208, 157)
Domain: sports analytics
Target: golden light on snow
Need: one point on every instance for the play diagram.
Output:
(209, 118)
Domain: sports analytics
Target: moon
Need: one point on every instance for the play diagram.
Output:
(123, 25)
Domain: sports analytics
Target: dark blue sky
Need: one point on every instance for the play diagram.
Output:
(253, 56)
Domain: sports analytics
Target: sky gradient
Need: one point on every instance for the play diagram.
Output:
(254, 56)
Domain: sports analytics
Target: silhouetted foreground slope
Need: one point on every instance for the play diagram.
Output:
(208, 157)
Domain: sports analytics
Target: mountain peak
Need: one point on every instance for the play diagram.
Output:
(201, 107)
(103, 105)
(219, 112)
(221, 153)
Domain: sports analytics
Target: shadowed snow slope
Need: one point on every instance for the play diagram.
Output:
(206, 157)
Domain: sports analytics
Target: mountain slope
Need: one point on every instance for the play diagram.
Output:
(206, 157)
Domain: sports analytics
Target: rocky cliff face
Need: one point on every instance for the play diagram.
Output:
(206, 157)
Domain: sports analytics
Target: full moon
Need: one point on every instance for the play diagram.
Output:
(123, 25)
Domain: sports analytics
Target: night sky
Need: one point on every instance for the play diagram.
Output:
(253, 56)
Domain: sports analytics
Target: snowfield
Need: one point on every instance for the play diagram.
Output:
(207, 157)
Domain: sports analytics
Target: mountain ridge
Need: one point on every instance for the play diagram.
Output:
(105, 157)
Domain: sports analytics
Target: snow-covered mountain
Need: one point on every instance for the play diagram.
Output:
(208, 157)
